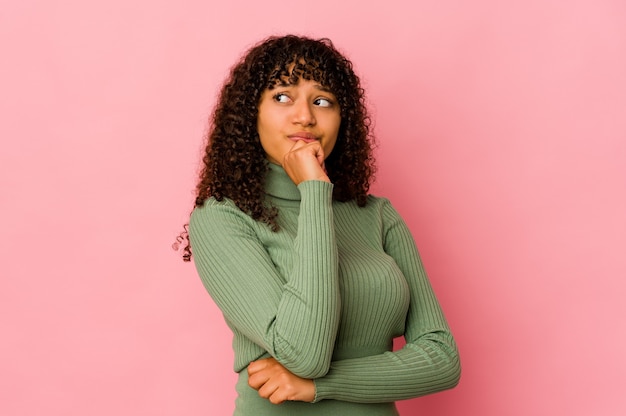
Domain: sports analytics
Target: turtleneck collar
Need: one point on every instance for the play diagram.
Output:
(279, 185)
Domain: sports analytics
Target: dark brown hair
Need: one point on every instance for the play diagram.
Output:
(233, 162)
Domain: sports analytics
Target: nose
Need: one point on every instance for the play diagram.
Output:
(303, 114)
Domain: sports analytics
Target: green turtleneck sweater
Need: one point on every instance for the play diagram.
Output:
(325, 295)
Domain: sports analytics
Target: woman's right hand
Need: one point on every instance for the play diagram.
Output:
(305, 161)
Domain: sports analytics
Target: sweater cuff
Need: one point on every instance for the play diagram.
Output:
(315, 399)
(322, 391)
(319, 190)
(316, 198)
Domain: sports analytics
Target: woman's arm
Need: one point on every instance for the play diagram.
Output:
(296, 322)
(429, 362)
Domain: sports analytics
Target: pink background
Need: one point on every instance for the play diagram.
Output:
(502, 133)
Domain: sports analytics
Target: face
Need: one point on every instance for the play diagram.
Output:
(288, 113)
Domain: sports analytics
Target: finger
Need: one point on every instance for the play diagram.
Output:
(298, 144)
(260, 365)
(268, 389)
(257, 380)
(257, 373)
(304, 153)
(256, 366)
(320, 156)
(277, 397)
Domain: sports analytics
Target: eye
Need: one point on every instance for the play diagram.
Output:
(281, 97)
(323, 102)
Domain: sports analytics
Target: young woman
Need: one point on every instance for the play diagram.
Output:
(314, 276)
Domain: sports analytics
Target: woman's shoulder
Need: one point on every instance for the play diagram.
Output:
(383, 206)
(217, 213)
(213, 202)
(372, 203)
(376, 208)
(377, 200)
(211, 205)
(377, 203)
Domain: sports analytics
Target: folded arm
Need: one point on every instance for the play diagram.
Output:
(294, 318)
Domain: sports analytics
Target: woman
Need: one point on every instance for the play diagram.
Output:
(314, 276)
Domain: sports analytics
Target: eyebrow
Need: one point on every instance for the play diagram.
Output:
(323, 88)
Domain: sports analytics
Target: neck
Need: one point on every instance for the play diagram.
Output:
(279, 185)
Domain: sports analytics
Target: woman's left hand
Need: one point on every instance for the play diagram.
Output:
(277, 384)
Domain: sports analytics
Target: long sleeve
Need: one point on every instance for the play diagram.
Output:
(429, 361)
(293, 316)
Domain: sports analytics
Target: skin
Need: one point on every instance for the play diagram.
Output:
(298, 127)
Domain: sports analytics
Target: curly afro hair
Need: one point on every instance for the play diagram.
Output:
(232, 166)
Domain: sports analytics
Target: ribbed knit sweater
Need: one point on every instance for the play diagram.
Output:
(325, 295)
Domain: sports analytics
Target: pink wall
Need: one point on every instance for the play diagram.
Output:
(502, 131)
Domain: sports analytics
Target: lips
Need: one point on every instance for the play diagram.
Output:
(304, 136)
